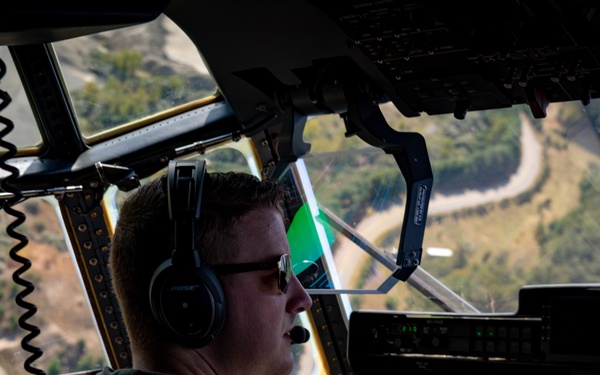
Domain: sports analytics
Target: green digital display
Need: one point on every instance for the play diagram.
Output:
(405, 328)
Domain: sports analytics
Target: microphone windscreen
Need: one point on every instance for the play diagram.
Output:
(299, 335)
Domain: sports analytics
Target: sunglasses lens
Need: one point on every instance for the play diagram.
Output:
(285, 272)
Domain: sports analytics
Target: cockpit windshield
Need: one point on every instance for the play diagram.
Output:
(498, 217)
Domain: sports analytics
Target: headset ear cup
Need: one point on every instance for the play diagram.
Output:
(185, 296)
(188, 303)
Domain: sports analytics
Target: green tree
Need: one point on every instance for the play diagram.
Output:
(54, 367)
(126, 90)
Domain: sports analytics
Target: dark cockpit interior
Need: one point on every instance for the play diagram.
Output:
(277, 64)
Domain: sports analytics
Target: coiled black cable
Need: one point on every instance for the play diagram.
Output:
(17, 196)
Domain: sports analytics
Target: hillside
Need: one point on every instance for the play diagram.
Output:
(68, 335)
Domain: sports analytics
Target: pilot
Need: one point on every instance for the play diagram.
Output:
(232, 311)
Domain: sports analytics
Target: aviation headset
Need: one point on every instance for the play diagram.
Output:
(185, 295)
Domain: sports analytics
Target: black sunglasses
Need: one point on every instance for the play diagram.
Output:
(283, 264)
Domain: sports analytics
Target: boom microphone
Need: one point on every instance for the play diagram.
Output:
(299, 335)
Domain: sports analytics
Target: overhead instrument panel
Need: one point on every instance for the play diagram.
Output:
(454, 57)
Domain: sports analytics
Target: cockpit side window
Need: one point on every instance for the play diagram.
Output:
(124, 75)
